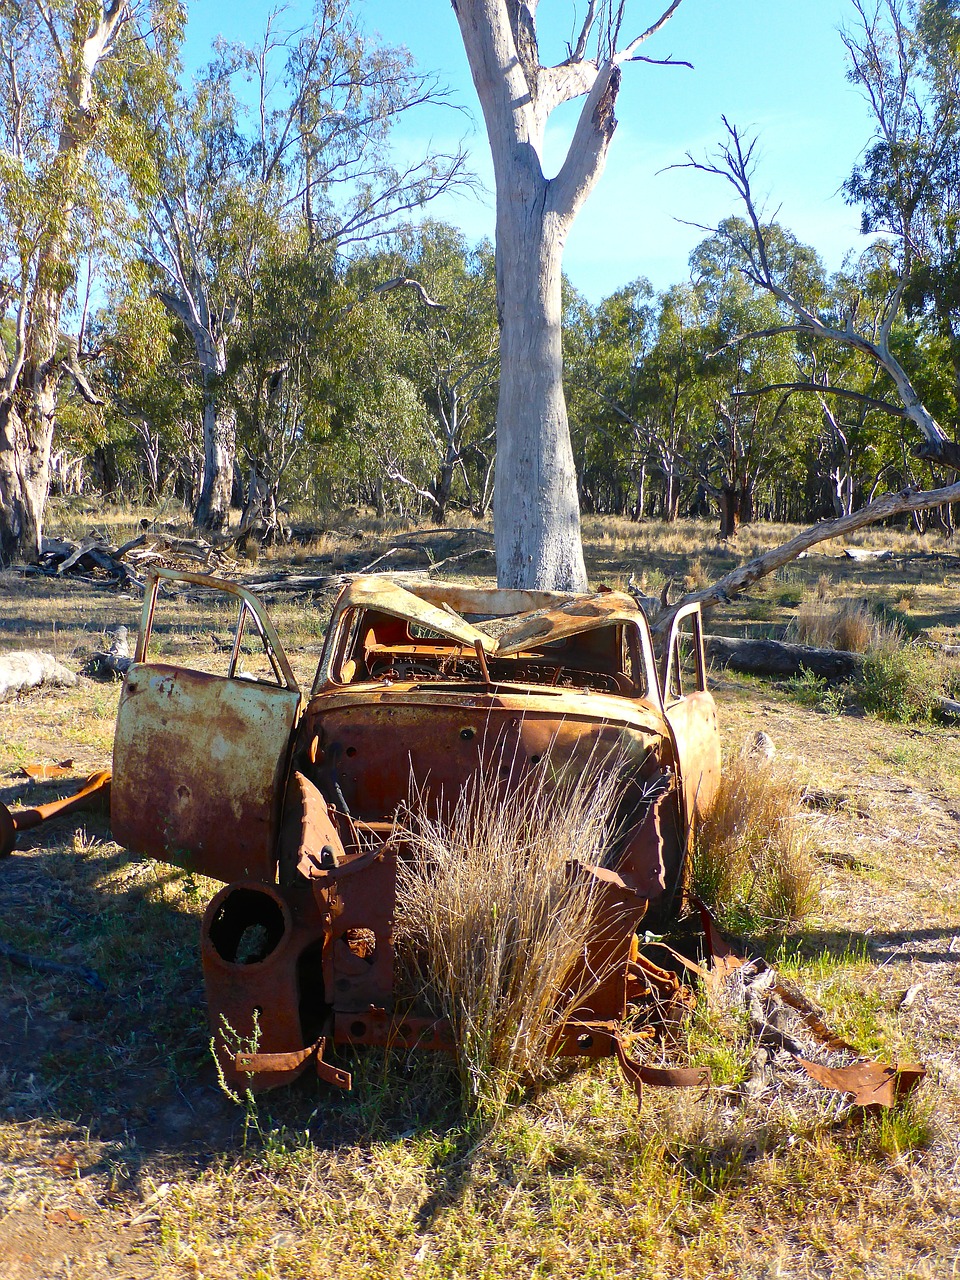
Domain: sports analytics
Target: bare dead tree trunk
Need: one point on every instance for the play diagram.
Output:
(536, 509)
(742, 578)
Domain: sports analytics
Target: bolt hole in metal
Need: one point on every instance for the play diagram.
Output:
(351, 751)
(467, 734)
(584, 1043)
(248, 927)
(358, 1028)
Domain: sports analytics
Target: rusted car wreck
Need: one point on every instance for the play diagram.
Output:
(291, 800)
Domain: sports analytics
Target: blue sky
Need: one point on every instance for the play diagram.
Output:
(775, 67)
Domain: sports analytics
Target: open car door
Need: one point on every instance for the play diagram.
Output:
(691, 712)
(200, 760)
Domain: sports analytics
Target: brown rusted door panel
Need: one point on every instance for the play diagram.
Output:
(691, 713)
(693, 721)
(199, 765)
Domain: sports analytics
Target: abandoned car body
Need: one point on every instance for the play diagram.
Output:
(293, 803)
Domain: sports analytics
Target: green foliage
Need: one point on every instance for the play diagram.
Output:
(901, 684)
(816, 693)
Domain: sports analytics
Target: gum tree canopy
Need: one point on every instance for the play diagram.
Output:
(61, 62)
(536, 511)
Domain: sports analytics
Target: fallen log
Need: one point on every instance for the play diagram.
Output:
(779, 658)
(26, 669)
(113, 664)
(861, 554)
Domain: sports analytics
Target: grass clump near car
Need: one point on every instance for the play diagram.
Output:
(492, 924)
(752, 861)
(905, 684)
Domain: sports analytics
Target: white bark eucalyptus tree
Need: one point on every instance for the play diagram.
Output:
(536, 509)
(310, 156)
(60, 64)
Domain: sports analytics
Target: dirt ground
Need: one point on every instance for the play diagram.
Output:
(121, 1157)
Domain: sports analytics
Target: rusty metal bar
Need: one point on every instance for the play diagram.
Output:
(262, 621)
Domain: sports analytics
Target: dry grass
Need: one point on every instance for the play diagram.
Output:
(850, 625)
(492, 925)
(752, 861)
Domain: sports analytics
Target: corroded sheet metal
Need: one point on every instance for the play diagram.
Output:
(545, 626)
(369, 752)
(199, 767)
(600, 708)
(693, 723)
(419, 690)
(692, 716)
(389, 597)
(96, 788)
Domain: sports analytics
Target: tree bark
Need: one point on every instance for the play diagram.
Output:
(219, 435)
(729, 503)
(30, 372)
(25, 442)
(536, 511)
(219, 451)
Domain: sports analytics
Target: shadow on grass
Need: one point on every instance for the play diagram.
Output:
(129, 1064)
(839, 947)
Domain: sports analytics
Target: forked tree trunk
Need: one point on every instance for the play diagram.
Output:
(536, 512)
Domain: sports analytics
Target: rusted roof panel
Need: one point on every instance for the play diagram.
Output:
(389, 597)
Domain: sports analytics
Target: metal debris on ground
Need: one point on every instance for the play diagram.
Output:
(793, 1039)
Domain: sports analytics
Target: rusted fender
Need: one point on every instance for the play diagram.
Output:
(12, 821)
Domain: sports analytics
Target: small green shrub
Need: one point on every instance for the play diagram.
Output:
(816, 693)
(789, 597)
(901, 684)
(897, 619)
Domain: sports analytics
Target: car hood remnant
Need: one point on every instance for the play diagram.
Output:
(292, 801)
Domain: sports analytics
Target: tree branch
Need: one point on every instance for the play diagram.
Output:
(870, 401)
(626, 55)
(739, 580)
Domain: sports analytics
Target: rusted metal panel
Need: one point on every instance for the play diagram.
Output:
(692, 714)
(199, 766)
(96, 788)
(369, 754)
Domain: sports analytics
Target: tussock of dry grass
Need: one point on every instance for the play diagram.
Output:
(849, 625)
(492, 925)
(752, 862)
